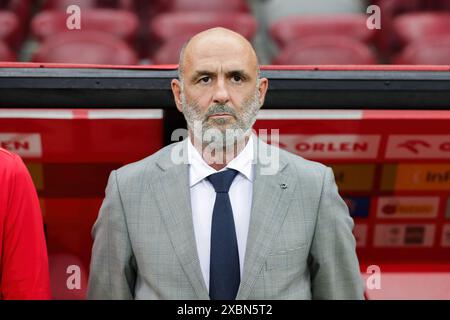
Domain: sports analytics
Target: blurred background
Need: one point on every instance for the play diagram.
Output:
(133, 32)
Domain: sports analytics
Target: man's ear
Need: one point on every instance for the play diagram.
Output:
(262, 88)
(176, 90)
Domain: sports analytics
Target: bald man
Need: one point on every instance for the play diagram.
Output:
(221, 215)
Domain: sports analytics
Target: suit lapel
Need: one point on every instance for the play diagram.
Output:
(174, 201)
(271, 199)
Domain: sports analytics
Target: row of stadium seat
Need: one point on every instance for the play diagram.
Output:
(387, 42)
(323, 39)
(167, 30)
(338, 39)
(50, 29)
(168, 5)
(161, 5)
(424, 38)
(128, 19)
(91, 47)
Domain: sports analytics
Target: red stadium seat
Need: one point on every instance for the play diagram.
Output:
(421, 4)
(430, 51)
(417, 26)
(169, 25)
(85, 4)
(120, 23)
(205, 5)
(20, 7)
(387, 42)
(169, 52)
(6, 54)
(289, 29)
(85, 47)
(439, 4)
(22, 10)
(326, 50)
(9, 28)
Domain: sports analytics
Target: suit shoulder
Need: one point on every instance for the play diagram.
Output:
(304, 167)
(312, 176)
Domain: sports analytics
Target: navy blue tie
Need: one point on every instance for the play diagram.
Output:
(224, 271)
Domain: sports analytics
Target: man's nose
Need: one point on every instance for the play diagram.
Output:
(221, 94)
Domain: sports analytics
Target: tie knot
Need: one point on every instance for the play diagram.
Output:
(221, 181)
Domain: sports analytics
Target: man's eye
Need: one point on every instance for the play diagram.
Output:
(236, 78)
(205, 80)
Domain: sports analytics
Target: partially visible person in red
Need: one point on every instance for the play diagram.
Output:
(24, 272)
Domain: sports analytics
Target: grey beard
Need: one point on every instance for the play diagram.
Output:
(213, 135)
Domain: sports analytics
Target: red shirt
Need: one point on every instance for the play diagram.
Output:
(24, 272)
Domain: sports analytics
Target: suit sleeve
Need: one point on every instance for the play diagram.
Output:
(334, 266)
(24, 261)
(112, 271)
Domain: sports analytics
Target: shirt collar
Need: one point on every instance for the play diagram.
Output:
(199, 169)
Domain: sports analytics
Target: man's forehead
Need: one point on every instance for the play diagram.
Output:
(219, 66)
(219, 50)
(219, 61)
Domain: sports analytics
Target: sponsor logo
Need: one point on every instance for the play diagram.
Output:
(412, 145)
(407, 207)
(418, 146)
(27, 145)
(404, 235)
(332, 146)
(416, 177)
(414, 235)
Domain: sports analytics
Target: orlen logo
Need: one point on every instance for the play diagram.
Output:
(413, 145)
(418, 146)
(27, 145)
(332, 146)
(408, 207)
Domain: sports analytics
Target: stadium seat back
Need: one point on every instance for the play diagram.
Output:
(386, 40)
(10, 29)
(120, 23)
(352, 25)
(417, 26)
(430, 51)
(6, 53)
(20, 7)
(85, 4)
(208, 5)
(326, 50)
(85, 47)
(169, 52)
(169, 25)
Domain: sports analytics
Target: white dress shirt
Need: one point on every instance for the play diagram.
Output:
(203, 197)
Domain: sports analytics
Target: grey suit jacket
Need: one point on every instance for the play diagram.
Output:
(300, 243)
